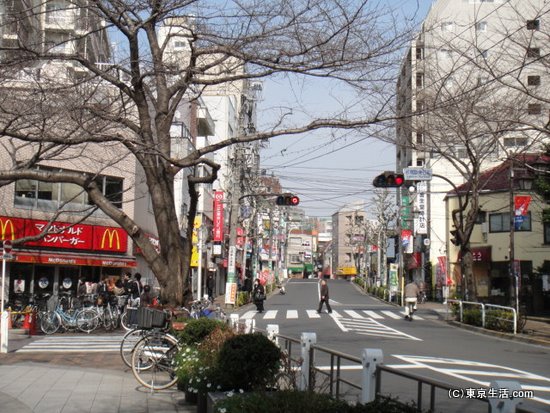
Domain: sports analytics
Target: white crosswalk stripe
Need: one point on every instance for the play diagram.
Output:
(371, 327)
(292, 314)
(416, 317)
(68, 344)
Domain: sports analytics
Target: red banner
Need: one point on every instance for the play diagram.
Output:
(218, 216)
(521, 204)
(65, 235)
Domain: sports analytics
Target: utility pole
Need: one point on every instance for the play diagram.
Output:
(514, 285)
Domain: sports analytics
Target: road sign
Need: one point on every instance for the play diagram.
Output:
(7, 246)
(417, 173)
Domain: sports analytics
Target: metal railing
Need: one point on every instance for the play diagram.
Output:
(371, 368)
(483, 307)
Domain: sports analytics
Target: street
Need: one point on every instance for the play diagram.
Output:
(426, 346)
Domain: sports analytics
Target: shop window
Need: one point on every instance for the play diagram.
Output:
(501, 223)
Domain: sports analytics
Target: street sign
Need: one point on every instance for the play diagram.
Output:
(7, 246)
(417, 173)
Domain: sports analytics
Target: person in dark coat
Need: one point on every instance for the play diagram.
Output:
(210, 286)
(258, 295)
(324, 297)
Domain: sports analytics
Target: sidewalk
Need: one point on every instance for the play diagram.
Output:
(536, 330)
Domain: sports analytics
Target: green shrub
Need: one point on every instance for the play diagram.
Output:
(243, 297)
(471, 316)
(247, 362)
(197, 329)
(305, 402)
(499, 320)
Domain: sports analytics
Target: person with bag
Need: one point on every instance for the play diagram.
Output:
(258, 295)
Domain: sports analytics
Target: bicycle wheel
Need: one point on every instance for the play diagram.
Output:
(87, 320)
(128, 343)
(50, 322)
(116, 317)
(126, 318)
(153, 361)
(108, 322)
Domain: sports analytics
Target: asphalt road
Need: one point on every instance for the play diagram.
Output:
(426, 346)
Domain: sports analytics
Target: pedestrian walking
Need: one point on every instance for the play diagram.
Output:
(258, 294)
(411, 298)
(210, 286)
(324, 298)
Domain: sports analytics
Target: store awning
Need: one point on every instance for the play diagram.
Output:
(50, 258)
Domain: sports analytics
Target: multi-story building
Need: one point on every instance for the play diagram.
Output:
(493, 240)
(348, 240)
(470, 60)
(81, 240)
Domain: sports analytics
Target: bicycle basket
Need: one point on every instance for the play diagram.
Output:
(150, 318)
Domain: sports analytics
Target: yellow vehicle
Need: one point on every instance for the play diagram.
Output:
(346, 272)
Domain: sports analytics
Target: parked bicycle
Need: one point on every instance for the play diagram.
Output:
(85, 320)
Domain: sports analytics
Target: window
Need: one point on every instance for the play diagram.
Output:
(419, 79)
(481, 27)
(419, 53)
(295, 259)
(461, 152)
(419, 138)
(484, 54)
(515, 142)
(533, 24)
(179, 44)
(534, 109)
(533, 52)
(53, 195)
(533, 80)
(420, 162)
(444, 54)
(501, 223)
(447, 26)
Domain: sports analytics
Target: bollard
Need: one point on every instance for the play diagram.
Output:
(307, 340)
(4, 334)
(249, 325)
(500, 404)
(370, 359)
(273, 332)
(234, 321)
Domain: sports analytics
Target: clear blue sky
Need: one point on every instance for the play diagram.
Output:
(326, 170)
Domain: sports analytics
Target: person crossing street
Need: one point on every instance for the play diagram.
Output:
(324, 297)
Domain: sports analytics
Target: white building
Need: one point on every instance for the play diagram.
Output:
(461, 48)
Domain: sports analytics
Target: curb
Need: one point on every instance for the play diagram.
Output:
(508, 336)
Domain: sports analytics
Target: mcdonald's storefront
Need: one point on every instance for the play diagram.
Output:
(67, 252)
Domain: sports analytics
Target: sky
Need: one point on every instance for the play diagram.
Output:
(327, 171)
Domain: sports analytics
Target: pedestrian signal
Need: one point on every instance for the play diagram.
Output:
(389, 180)
(287, 200)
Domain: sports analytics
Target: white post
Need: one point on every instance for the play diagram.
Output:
(307, 339)
(199, 266)
(234, 321)
(4, 332)
(250, 325)
(371, 358)
(501, 404)
(4, 319)
(273, 332)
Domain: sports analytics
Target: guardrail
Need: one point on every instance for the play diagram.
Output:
(484, 306)
(371, 369)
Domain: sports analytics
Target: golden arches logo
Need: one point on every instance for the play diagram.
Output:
(4, 227)
(111, 235)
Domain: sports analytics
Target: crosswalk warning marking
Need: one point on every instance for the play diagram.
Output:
(391, 315)
(292, 314)
(371, 327)
(353, 314)
(372, 314)
(270, 315)
(313, 314)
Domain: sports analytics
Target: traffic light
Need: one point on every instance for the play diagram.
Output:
(455, 240)
(389, 179)
(287, 200)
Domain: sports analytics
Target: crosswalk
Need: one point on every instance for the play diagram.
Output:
(291, 314)
(77, 343)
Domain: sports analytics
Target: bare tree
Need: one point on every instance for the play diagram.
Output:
(63, 95)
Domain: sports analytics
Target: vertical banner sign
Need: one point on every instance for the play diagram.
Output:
(393, 277)
(405, 212)
(218, 216)
(420, 223)
(407, 241)
(195, 240)
(521, 206)
(231, 285)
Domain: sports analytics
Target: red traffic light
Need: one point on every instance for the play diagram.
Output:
(389, 180)
(287, 200)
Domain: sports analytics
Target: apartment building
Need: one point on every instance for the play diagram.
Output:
(348, 240)
(469, 84)
(82, 241)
